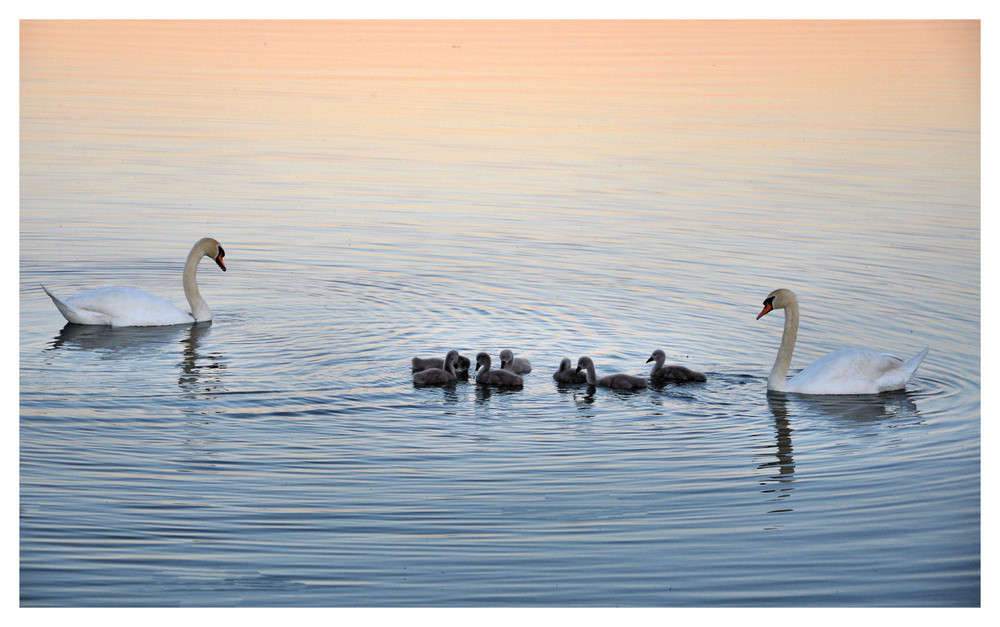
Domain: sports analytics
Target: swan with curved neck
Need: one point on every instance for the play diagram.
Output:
(129, 307)
(419, 364)
(620, 381)
(679, 374)
(568, 374)
(498, 378)
(434, 376)
(517, 365)
(846, 371)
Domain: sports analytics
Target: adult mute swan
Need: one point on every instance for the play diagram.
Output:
(568, 374)
(433, 376)
(129, 307)
(661, 373)
(618, 381)
(517, 365)
(846, 371)
(499, 378)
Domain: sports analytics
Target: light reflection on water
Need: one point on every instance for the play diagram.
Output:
(281, 454)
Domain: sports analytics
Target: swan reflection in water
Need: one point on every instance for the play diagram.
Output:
(116, 342)
(780, 469)
(199, 372)
(847, 411)
(838, 411)
(485, 392)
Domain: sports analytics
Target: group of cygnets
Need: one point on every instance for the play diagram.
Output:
(438, 371)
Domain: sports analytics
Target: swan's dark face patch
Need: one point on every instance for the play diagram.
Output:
(218, 258)
(768, 306)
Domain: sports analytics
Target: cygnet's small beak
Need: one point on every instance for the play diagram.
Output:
(650, 359)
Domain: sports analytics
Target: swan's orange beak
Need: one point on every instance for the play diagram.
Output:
(218, 260)
(767, 307)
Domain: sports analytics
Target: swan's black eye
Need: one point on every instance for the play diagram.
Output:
(222, 253)
(769, 301)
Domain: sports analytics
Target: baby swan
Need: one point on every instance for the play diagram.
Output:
(618, 381)
(426, 363)
(499, 378)
(435, 376)
(661, 373)
(517, 365)
(568, 374)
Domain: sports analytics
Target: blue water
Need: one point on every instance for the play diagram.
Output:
(373, 211)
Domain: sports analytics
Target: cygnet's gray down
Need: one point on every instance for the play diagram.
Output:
(499, 378)
(425, 363)
(568, 374)
(618, 381)
(517, 365)
(661, 373)
(434, 376)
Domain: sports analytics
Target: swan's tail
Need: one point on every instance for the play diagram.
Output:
(63, 308)
(76, 315)
(914, 362)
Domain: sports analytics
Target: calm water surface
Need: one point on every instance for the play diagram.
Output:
(385, 190)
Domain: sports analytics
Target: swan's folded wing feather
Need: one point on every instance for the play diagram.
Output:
(124, 306)
(76, 315)
(852, 371)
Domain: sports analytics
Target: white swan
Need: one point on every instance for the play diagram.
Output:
(661, 373)
(499, 378)
(568, 374)
(846, 371)
(618, 381)
(517, 365)
(129, 307)
(433, 376)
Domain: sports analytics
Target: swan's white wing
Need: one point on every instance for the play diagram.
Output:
(854, 371)
(78, 316)
(897, 378)
(123, 307)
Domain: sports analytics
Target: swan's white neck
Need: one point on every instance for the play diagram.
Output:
(778, 379)
(199, 308)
